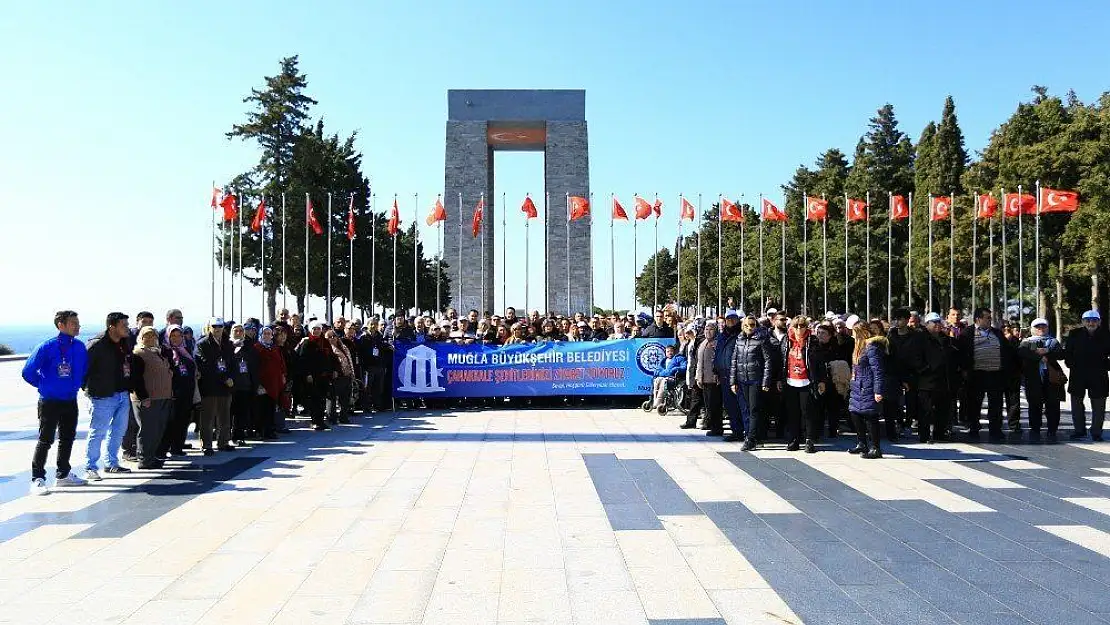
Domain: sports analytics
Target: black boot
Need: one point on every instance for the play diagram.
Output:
(810, 448)
(861, 435)
(875, 451)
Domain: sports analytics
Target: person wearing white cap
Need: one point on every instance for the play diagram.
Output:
(1086, 352)
(1040, 356)
(932, 360)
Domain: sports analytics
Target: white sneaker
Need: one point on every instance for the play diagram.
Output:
(92, 476)
(38, 487)
(70, 480)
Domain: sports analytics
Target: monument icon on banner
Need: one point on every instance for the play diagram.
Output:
(419, 371)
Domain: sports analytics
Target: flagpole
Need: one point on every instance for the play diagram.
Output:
(720, 221)
(307, 203)
(351, 264)
(416, 252)
(867, 253)
(783, 250)
(482, 303)
(762, 291)
(458, 287)
(990, 228)
(701, 311)
(909, 255)
(504, 257)
(439, 257)
(284, 288)
(974, 250)
(239, 227)
(327, 311)
(213, 258)
(373, 251)
(743, 220)
(847, 307)
(805, 253)
(1021, 263)
(590, 228)
(1002, 253)
(546, 276)
(889, 250)
(612, 259)
(678, 252)
(223, 266)
(569, 311)
(635, 258)
(526, 262)
(825, 251)
(262, 231)
(655, 264)
(1037, 250)
(952, 252)
(930, 304)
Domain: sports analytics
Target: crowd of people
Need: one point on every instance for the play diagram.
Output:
(798, 379)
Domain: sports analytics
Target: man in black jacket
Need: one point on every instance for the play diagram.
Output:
(108, 384)
(1086, 352)
(987, 359)
(900, 390)
(214, 368)
(659, 329)
(931, 359)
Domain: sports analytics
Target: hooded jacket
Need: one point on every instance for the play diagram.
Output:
(869, 377)
(751, 360)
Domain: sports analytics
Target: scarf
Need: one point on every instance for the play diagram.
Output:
(180, 352)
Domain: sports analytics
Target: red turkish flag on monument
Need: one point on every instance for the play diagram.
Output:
(529, 208)
(437, 214)
(658, 208)
(643, 209)
(230, 206)
(394, 223)
(1016, 204)
(857, 210)
(772, 212)
(730, 211)
(817, 209)
(579, 207)
(899, 208)
(259, 216)
(310, 217)
(618, 210)
(215, 197)
(687, 210)
(940, 208)
(987, 206)
(1054, 201)
(351, 219)
(476, 224)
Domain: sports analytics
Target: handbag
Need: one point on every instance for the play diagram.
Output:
(1056, 375)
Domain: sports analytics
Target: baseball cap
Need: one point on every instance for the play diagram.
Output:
(731, 313)
(1091, 314)
(772, 311)
(932, 318)
(1039, 321)
(216, 322)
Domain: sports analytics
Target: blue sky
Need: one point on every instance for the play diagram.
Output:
(113, 115)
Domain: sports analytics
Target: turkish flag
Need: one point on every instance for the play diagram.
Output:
(437, 214)
(394, 223)
(772, 212)
(529, 208)
(857, 210)
(730, 211)
(658, 208)
(1015, 204)
(1054, 201)
(643, 209)
(987, 206)
(230, 206)
(687, 210)
(310, 217)
(899, 208)
(618, 210)
(579, 207)
(817, 209)
(476, 224)
(215, 197)
(351, 219)
(940, 208)
(259, 216)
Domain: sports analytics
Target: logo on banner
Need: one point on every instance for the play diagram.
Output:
(419, 371)
(650, 358)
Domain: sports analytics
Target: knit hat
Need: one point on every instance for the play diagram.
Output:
(851, 321)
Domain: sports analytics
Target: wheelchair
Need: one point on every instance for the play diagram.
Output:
(676, 396)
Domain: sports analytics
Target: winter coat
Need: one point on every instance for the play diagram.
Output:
(722, 357)
(675, 365)
(815, 363)
(244, 366)
(701, 365)
(1086, 356)
(214, 366)
(657, 332)
(932, 361)
(751, 360)
(109, 367)
(1032, 363)
(271, 370)
(899, 368)
(869, 377)
(316, 359)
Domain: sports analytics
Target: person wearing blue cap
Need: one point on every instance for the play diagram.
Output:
(722, 365)
(1087, 353)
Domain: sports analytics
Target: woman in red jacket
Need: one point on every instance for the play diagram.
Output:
(271, 375)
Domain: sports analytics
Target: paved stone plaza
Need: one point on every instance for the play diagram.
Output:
(588, 516)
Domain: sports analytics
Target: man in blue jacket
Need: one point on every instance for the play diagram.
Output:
(57, 368)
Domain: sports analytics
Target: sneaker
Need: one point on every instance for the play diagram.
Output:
(91, 475)
(117, 469)
(70, 480)
(749, 445)
(38, 487)
(130, 457)
(810, 448)
(793, 446)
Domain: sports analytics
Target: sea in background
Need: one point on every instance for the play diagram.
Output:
(23, 339)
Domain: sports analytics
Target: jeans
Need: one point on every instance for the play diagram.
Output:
(748, 401)
(109, 420)
(731, 406)
(55, 416)
(152, 420)
(1079, 413)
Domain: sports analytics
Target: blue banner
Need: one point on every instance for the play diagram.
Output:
(618, 367)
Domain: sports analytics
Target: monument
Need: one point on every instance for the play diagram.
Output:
(481, 123)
